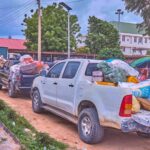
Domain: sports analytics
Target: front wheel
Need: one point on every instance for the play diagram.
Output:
(145, 135)
(11, 90)
(89, 128)
(36, 102)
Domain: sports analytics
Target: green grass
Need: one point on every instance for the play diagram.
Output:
(30, 139)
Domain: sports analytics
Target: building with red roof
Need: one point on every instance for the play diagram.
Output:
(13, 44)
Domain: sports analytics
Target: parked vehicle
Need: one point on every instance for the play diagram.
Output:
(68, 90)
(21, 83)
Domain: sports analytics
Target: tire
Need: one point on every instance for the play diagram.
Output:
(36, 102)
(144, 135)
(11, 90)
(1, 86)
(89, 128)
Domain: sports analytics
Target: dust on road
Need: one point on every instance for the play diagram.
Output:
(66, 132)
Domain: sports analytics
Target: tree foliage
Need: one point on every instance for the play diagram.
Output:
(142, 8)
(83, 50)
(54, 29)
(101, 34)
(107, 53)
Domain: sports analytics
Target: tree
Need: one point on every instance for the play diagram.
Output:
(101, 34)
(107, 53)
(54, 29)
(142, 8)
(83, 50)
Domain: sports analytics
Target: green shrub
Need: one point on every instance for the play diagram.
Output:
(29, 141)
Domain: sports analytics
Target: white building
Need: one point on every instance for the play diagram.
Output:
(132, 41)
(81, 41)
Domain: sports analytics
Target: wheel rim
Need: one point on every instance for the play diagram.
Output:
(86, 126)
(35, 99)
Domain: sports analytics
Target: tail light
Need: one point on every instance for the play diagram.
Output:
(126, 106)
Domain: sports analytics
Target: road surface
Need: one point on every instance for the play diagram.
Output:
(66, 132)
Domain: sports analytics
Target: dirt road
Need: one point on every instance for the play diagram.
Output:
(66, 132)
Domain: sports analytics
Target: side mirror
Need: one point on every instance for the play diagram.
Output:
(43, 73)
(97, 76)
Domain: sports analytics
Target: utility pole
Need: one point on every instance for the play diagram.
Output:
(39, 29)
(119, 12)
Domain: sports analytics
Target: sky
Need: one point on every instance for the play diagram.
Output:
(12, 13)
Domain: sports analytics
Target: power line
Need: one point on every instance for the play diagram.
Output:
(12, 7)
(73, 1)
(15, 14)
(15, 11)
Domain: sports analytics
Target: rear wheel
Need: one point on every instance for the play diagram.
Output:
(1, 86)
(11, 90)
(89, 128)
(36, 101)
(145, 135)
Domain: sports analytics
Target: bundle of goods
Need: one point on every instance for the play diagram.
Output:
(135, 105)
(143, 74)
(112, 73)
(26, 66)
(97, 76)
(123, 65)
(29, 66)
(117, 72)
(144, 103)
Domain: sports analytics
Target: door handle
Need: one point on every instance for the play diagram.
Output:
(71, 85)
(42, 82)
(55, 83)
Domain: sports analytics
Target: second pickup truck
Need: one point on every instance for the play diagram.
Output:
(20, 84)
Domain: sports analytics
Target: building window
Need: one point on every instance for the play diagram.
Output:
(123, 38)
(135, 39)
(134, 51)
(140, 40)
(124, 49)
(145, 40)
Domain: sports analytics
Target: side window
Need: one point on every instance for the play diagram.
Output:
(56, 71)
(71, 70)
(90, 68)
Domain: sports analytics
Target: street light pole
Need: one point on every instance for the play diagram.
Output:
(119, 12)
(68, 9)
(39, 29)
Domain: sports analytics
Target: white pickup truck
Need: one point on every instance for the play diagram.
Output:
(69, 91)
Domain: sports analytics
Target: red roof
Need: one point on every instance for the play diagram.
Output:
(13, 44)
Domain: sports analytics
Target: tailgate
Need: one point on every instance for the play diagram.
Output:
(27, 80)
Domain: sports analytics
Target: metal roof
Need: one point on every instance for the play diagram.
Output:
(127, 27)
(13, 44)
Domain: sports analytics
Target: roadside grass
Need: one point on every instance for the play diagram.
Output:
(28, 136)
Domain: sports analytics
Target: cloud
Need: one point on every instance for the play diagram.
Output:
(12, 13)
